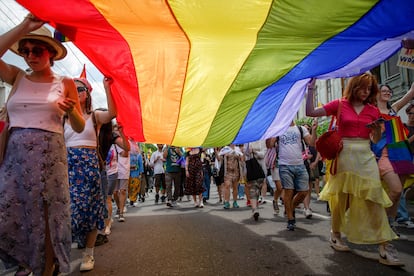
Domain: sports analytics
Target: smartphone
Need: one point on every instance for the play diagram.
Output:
(380, 120)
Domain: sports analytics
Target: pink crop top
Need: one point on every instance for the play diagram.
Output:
(34, 105)
(351, 124)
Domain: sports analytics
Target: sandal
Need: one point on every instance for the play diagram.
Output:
(56, 270)
(22, 271)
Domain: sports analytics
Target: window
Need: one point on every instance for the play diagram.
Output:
(329, 94)
(391, 67)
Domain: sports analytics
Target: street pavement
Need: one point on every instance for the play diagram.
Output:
(158, 240)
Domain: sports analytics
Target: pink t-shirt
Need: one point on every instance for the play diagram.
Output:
(351, 124)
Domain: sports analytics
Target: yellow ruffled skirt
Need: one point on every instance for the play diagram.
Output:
(356, 197)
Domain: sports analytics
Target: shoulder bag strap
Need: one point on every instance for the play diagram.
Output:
(338, 113)
(334, 164)
(301, 138)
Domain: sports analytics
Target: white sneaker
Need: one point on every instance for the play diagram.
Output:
(88, 263)
(388, 255)
(201, 205)
(121, 218)
(337, 243)
(307, 213)
(407, 224)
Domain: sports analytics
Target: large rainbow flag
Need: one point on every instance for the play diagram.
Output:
(215, 72)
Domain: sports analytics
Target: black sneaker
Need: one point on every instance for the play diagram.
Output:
(101, 239)
(291, 225)
(157, 198)
(81, 245)
(163, 199)
(256, 216)
(400, 236)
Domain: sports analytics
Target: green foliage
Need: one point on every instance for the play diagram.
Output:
(148, 148)
(322, 127)
(304, 121)
(323, 124)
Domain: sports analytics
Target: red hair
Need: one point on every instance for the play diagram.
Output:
(362, 82)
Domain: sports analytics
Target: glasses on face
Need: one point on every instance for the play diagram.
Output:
(410, 113)
(36, 51)
(386, 91)
(81, 89)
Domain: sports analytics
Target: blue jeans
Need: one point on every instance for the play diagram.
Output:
(294, 177)
(206, 184)
(240, 191)
(402, 213)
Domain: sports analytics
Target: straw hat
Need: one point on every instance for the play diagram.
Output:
(45, 35)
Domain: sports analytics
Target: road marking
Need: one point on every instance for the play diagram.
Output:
(321, 216)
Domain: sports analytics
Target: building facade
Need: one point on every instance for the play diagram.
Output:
(398, 78)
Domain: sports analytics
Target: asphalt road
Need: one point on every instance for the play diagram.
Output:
(157, 240)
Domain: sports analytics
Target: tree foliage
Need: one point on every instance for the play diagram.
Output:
(323, 124)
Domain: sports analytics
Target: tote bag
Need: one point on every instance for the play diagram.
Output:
(254, 169)
(4, 119)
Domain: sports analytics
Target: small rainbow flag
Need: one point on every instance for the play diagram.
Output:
(60, 37)
(399, 151)
(395, 130)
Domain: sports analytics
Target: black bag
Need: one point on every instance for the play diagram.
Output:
(254, 170)
(215, 172)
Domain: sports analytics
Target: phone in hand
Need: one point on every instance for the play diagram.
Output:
(380, 120)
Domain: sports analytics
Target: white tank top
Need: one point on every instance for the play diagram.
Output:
(86, 138)
(34, 105)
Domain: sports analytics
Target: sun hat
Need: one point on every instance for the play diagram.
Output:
(84, 82)
(45, 35)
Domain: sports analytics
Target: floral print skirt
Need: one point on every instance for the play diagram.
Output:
(87, 199)
(34, 182)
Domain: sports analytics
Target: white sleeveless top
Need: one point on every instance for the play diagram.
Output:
(34, 105)
(86, 138)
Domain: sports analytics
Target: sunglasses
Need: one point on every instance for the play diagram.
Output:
(410, 113)
(82, 89)
(36, 51)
